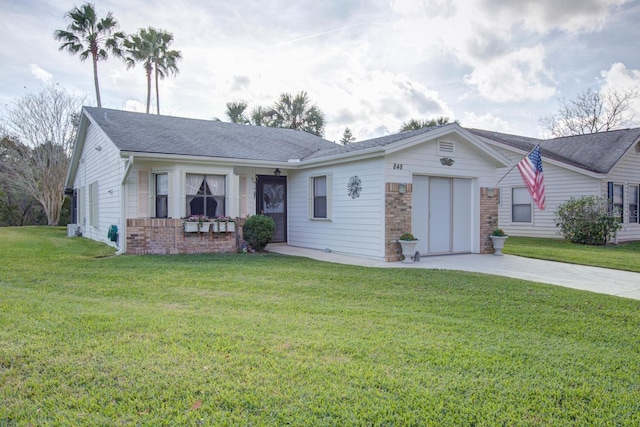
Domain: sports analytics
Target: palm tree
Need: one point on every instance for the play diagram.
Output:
(415, 124)
(296, 112)
(150, 47)
(140, 48)
(235, 112)
(88, 35)
(165, 60)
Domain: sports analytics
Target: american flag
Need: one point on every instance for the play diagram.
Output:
(530, 168)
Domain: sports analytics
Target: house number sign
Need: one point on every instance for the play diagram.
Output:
(354, 187)
(397, 166)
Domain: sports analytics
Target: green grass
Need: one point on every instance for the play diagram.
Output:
(625, 256)
(264, 340)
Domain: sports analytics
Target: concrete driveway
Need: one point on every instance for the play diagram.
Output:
(600, 280)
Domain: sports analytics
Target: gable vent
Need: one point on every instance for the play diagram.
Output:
(445, 147)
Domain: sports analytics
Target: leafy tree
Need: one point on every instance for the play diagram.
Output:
(586, 220)
(89, 35)
(415, 124)
(347, 137)
(590, 112)
(150, 47)
(41, 129)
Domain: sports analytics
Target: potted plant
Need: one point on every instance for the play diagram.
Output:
(408, 243)
(498, 237)
(196, 223)
(223, 224)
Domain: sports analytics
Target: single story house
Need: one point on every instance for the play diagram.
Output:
(603, 164)
(134, 176)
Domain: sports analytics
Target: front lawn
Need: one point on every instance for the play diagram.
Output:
(266, 340)
(625, 256)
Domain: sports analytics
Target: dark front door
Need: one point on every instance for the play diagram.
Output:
(271, 200)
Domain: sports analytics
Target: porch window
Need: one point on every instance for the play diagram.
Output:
(320, 197)
(520, 205)
(634, 197)
(206, 195)
(616, 200)
(162, 193)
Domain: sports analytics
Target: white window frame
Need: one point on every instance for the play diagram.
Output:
(329, 197)
(513, 205)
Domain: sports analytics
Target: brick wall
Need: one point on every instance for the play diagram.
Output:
(488, 217)
(397, 218)
(162, 236)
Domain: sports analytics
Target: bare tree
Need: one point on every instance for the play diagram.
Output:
(41, 129)
(591, 112)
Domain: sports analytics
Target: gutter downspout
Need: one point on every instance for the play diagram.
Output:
(123, 201)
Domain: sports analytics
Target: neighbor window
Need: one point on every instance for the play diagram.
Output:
(520, 205)
(206, 195)
(616, 200)
(320, 197)
(162, 193)
(634, 197)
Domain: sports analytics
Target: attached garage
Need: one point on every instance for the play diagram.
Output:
(442, 217)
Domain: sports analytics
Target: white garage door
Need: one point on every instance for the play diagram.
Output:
(441, 212)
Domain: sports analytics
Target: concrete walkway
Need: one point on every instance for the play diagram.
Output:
(600, 280)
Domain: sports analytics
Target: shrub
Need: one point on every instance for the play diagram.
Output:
(586, 220)
(258, 231)
(408, 237)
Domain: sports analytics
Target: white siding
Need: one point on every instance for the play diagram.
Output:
(100, 162)
(626, 172)
(356, 225)
(560, 185)
(424, 159)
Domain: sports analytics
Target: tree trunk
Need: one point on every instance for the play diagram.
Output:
(157, 92)
(148, 87)
(95, 80)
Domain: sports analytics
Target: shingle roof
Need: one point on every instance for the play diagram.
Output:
(150, 133)
(597, 152)
(370, 143)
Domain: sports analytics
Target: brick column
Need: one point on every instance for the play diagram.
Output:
(488, 217)
(397, 218)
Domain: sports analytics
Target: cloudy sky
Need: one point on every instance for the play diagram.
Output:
(369, 65)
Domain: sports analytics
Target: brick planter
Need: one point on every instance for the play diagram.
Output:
(162, 236)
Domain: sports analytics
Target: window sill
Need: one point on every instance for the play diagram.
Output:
(320, 219)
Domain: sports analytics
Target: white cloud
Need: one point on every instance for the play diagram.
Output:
(40, 74)
(486, 121)
(518, 76)
(622, 79)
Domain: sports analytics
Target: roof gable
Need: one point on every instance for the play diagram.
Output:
(597, 152)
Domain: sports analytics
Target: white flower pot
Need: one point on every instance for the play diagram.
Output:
(408, 249)
(195, 227)
(223, 227)
(498, 244)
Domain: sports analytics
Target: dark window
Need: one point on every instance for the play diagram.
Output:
(162, 193)
(616, 200)
(634, 197)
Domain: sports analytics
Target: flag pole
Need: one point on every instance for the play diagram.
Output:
(514, 166)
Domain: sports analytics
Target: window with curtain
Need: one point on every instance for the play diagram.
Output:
(520, 205)
(634, 196)
(206, 195)
(162, 193)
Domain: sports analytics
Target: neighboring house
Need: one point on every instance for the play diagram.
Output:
(602, 164)
(141, 173)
